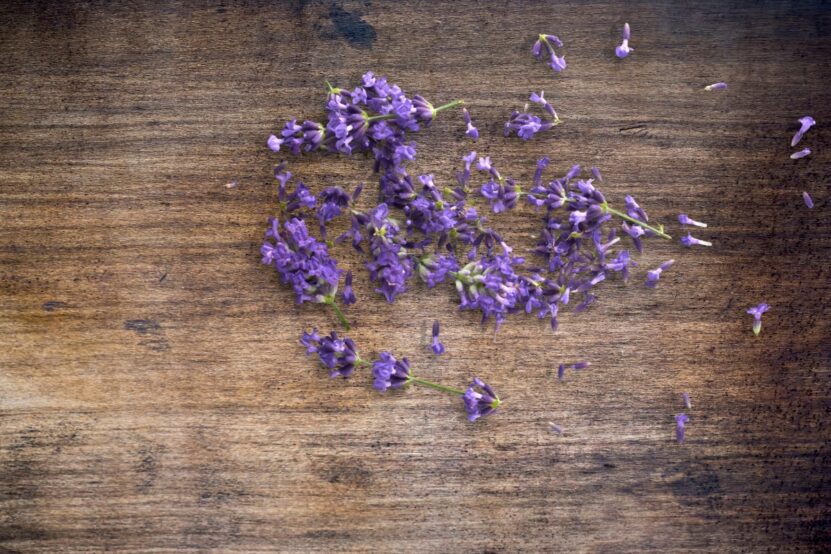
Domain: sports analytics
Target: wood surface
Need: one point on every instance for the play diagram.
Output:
(153, 396)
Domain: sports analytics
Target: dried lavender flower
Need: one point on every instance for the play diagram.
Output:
(716, 86)
(690, 240)
(624, 49)
(801, 154)
(680, 427)
(480, 400)
(807, 199)
(684, 219)
(655, 274)
(471, 131)
(547, 43)
(805, 123)
(756, 312)
(438, 347)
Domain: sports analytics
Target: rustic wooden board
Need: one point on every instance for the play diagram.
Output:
(152, 392)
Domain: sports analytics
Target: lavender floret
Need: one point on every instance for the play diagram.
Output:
(480, 400)
(438, 347)
(389, 372)
(805, 123)
(624, 49)
(756, 312)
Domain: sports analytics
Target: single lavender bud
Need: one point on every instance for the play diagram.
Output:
(684, 219)
(274, 143)
(690, 241)
(655, 274)
(624, 49)
(808, 200)
(480, 400)
(716, 86)
(805, 123)
(801, 154)
(556, 428)
(756, 312)
(680, 427)
(471, 131)
(438, 347)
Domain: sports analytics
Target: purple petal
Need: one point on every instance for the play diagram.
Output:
(801, 154)
(808, 200)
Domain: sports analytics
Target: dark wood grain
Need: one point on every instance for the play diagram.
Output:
(152, 392)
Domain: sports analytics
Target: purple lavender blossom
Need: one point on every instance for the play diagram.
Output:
(301, 260)
(540, 99)
(481, 402)
(547, 43)
(438, 347)
(471, 131)
(690, 241)
(624, 49)
(556, 428)
(756, 312)
(808, 200)
(596, 173)
(348, 294)
(526, 125)
(685, 396)
(390, 373)
(500, 196)
(805, 123)
(433, 269)
(684, 219)
(655, 274)
(274, 143)
(801, 154)
(339, 355)
(716, 86)
(680, 427)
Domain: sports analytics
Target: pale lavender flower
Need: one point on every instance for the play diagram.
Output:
(472, 131)
(808, 200)
(690, 241)
(556, 428)
(684, 219)
(274, 143)
(624, 49)
(655, 274)
(805, 123)
(756, 312)
(680, 427)
(438, 347)
(685, 396)
(801, 154)
(480, 400)
(716, 86)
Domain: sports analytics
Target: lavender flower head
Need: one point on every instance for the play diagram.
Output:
(716, 86)
(339, 355)
(655, 274)
(690, 241)
(805, 122)
(680, 427)
(801, 154)
(480, 400)
(808, 200)
(438, 347)
(756, 312)
(471, 131)
(390, 373)
(684, 219)
(624, 49)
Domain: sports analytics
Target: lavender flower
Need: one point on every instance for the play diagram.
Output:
(540, 99)
(390, 373)
(438, 347)
(480, 400)
(805, 123)
(685, 396)
(472, 131)
(624, 49)
(716, 86)
(556, 428)
(339, 355)
(301, 260)
(684, 219)
(500, 196)
(547, 43)
(348, 294)
(690, 240)
(808, 200)
(274, 143)
(596, 173)
(801, 154)
(680, 427)
(756, 312)
(655, 274)
(561, 370)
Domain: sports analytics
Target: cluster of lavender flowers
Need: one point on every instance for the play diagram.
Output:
(340, 356)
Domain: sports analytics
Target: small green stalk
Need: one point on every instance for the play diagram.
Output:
(447, 106)
(659, 232)
(342, 318)
(436, 386)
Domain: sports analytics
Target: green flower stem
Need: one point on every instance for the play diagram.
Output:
(342, 318)
(436, 386)
(659, 232)
(435, 111)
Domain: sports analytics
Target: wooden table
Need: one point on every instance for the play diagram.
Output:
(152, 392)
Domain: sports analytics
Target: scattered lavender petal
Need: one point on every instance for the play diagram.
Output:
(624, 49)
(438, 347)
(716, 86)
(686, 397)
(756, 312)
(808, 200)
(471, 131)
(805, 123)
(680, 427)
(556, 428)
(684, 219)
(655, 274)
(801, 154)
(690, 241)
